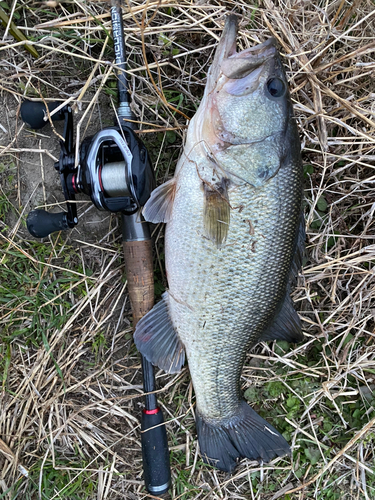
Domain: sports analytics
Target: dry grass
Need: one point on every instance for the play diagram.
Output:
(70, 399)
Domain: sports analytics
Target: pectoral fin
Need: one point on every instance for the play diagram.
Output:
(159, 206)
(216, 211)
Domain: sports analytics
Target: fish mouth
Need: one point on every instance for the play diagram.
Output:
(225, 49)
(244, 72)
(241, 64)
(238, 65)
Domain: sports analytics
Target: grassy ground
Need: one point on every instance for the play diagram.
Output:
(70, 380)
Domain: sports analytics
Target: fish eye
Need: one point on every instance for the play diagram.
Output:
(275, 87)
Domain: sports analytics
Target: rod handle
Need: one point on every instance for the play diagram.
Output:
(155, 453)
(41, 223)
(140, 276)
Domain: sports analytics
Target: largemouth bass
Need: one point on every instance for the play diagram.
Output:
(232, 245)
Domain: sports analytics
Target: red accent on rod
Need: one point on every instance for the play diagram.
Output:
(151, 412)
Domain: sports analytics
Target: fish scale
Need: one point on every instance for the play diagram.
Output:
(223, 300)
(233, 242)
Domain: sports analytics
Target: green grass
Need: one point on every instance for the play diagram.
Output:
(30, 289)
(62, 480)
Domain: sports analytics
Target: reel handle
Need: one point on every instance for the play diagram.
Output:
(33, 113)
(41, 223)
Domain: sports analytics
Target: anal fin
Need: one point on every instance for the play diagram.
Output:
(155, 337)
(286, 325)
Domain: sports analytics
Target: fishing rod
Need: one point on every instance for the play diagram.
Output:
(114, 170)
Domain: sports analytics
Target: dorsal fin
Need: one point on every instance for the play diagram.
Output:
(299, 250)
(286, 325)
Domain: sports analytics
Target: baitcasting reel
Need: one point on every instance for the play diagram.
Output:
(114, 170)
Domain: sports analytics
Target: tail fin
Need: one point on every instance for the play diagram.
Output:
(245, 435)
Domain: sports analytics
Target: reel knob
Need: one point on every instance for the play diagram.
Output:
(33, 113)
(41, 223)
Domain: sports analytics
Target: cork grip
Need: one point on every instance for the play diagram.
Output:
(140, 276)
